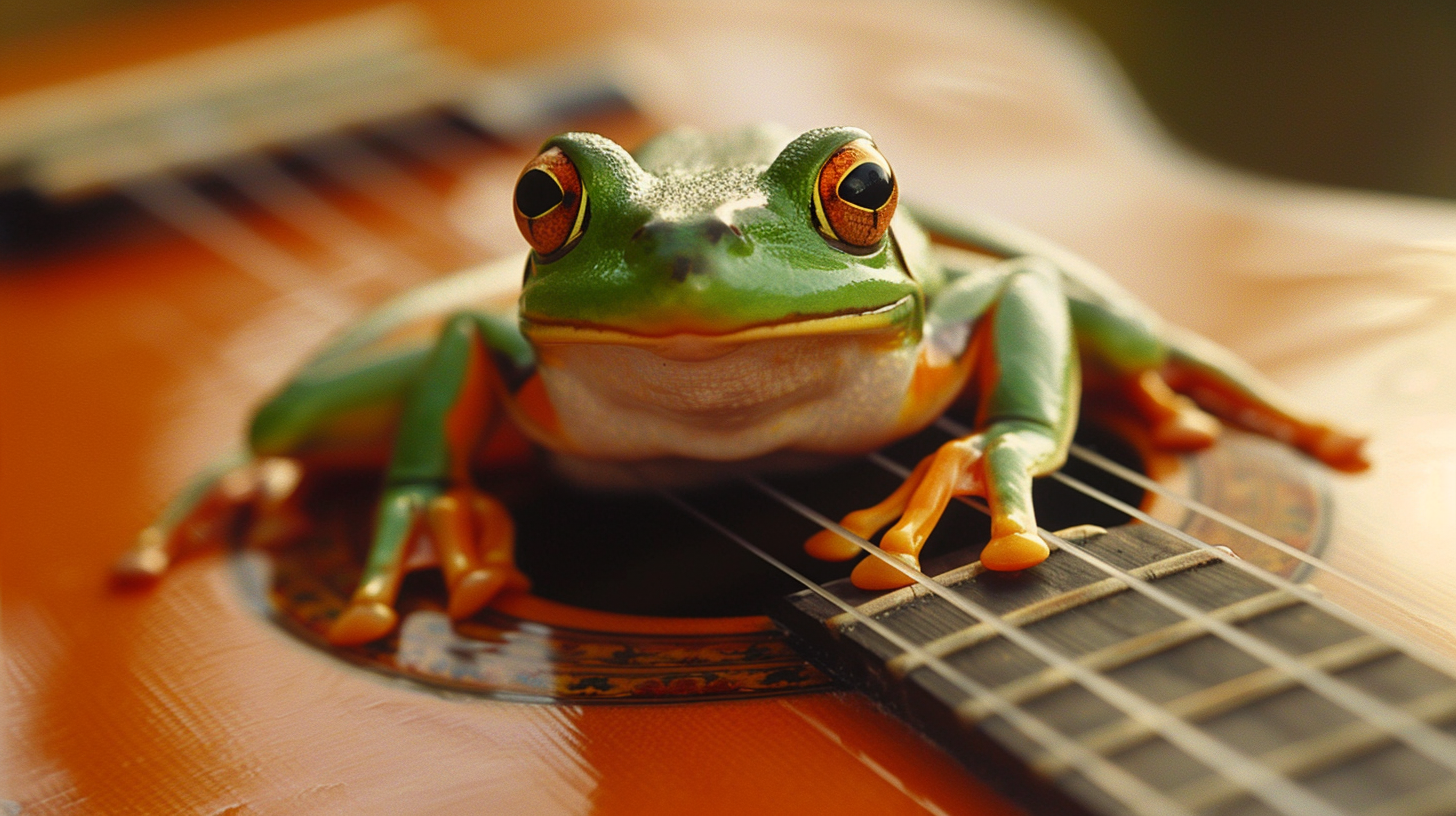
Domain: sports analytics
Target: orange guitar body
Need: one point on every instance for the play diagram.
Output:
(127, 366)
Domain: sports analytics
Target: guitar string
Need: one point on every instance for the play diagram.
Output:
(1133, 792)
(174, 202)
(1407, 605)
(211, 242)
(434, 142)
(1429, 741)
(1307, 594)
(1274, 790)
(260, 178)
(868, 762)
(1303, 592)
(358, 166)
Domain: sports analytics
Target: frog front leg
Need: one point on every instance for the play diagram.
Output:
(429, 491)
(1027, 379)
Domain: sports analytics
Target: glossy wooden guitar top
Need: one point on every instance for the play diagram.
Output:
(136, 353)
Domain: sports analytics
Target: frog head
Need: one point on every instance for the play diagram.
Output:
(727, 236)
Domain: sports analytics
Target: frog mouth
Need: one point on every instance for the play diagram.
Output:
(695, 345)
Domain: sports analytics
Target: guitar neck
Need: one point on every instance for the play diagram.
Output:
(1221, 690)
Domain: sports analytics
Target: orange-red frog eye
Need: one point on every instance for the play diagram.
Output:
(855, 196)
(550, 203)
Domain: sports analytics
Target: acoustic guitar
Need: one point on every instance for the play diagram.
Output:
(1232, 632)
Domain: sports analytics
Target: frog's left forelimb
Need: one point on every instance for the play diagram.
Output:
(1026, 372)
(429, 489)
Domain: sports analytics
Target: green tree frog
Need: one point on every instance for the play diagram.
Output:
(729, 299)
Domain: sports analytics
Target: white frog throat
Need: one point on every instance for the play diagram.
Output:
(816, 394)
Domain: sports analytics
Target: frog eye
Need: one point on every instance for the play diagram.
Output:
(855, 195)
(550, 205)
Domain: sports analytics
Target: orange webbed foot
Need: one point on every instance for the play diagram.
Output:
(918, 504)
(875, 574)
(1341, 451)
(267, 487)
(362, 622)
(997, 463)
(1188, 428)
(473, 539)
(1014, 551)
(476, 537)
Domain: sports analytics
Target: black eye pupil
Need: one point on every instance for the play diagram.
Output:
(867, 185)
(536, 193)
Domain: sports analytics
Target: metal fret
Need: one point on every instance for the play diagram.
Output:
(1047, 607)
(901, 597)
(1318, 753)
(1128, 651)
(1229, 695)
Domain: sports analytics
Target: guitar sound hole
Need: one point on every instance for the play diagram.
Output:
(638, 554)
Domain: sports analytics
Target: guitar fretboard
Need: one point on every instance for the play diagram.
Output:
(1319, 754)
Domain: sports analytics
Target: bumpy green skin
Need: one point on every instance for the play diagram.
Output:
(1039, 308)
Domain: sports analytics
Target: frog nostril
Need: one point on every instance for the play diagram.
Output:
(682, 266)
(715, 229)
(682, 249)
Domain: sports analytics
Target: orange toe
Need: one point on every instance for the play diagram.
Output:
(827, 545)
(1340, 451)
(1016, 551)
(474, 590)
(144, 563)
(872, 573)
(1187, 430)
(362, 622)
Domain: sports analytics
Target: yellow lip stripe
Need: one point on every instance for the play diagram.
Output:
(864, 322)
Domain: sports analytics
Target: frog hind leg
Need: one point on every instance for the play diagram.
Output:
(429, 492)
(1124, 354)
(264, 487)
(1181, 385)
(1029, 382)
(1234, 391)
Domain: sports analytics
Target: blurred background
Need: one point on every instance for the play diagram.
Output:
(1341, 92)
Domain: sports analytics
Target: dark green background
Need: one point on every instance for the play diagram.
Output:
(1340, 92)
(1348, 92)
